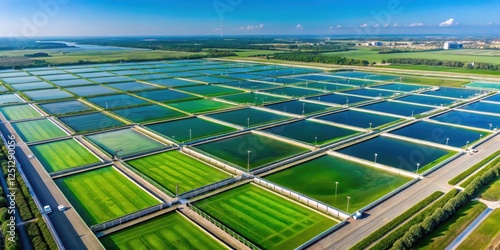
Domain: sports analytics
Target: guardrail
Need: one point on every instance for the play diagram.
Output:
(210, 187)
(223, 227)
(439, 165)
(144, 152)
(127, 218)
(38, 204)
(96, 146)
(315, 204)
(321, 235)
(393, 192)
(279, 163)
(146, 178)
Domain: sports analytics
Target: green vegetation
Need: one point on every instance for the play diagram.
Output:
(439, 63)
(316, 179)
(472, 169)
(19, 112)
(148, 113)
(320, 58)
(492, 192)
(112, 195)
(264, 150)
(173, 167)
(486, 235)
(168, 231)
(388, 241)
(126, 141)
(445, 233)
(485, 169)
(379, 233)
(38, 130)
(61, 155)
(265, 218)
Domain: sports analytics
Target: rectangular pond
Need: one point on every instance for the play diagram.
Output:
(190, 129)
(172, 82)
(440, 133)
(74, 82)
(325, 86)
(317, 179)
(371, 92)
(263, 150)
(483, 107)
(252, 98)
(19, 112)
(116, 101)
(125, 141)
(400, 87)
(91, 90)
(32, 85)
(60, 108)
(311, 132)
(37, 130)
(398, 108)
(359, 119)
(249, 117)
(427, 100)
(148, 113)
(340, 99)
(461, 93)
(484, 85)
(299, 107)
(47, 94)
(90, 122)
(131, 86)
(293, 92)
(250, 85)
(397, 153)
(201, 106)
(469, 119)
(493, 98)
(166, 95)
(10, 99)
(210, 90)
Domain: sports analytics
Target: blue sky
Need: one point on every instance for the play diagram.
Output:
(245, 17)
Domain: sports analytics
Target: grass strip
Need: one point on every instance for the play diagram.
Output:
(471, 170)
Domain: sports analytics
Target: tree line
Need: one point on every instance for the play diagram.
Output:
(445, 63)
(318, 58)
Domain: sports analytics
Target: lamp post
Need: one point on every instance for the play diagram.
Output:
(248, 161)
(447, 139)
(418, 165)
(491, 125)
(303, 108)
(336, 187)
(315, 141)
(376, 157)
(248, 122)
(370, 125)
(190, 135)
(466, 145)
(348, 200)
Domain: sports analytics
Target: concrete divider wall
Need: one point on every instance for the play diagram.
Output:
(214, 161)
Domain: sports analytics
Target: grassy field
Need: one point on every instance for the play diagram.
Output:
(210, 90)
(173, 167)
(485, 236)
(19, 112)
(60, 155)
(127, 140)
(103, 194)
(492, 192)
(467, 55)
(252, 98)
(190, 128)
(444, 69)
(249, 117)
(316, 179)
(170, 231)
(263, 150)
(200, 106)
(446, 232)
(38, 130)
(265, 218)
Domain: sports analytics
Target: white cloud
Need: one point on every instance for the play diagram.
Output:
(448, 22)
(299, 26)
(251, 27)
(395, 25)
(376, 25)
(386, 25)
(364, 25)
(339, 26)
(490, 23)
(416, 25)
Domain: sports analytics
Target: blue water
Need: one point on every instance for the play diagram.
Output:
(484, 107)
(296, 107)
(428, 100)
(438, 133)
(324, 86)
(282, 80)
(370, 92)
(493, 98)
(294, 92)
(316, 78)
(250, 85)
(469, 119)
(400, 87)
(358, 118)
(453, 92)
(397, 108)
(339, 99)
(395, 153)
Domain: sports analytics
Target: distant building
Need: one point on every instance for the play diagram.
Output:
(452, 45)
(378, 44)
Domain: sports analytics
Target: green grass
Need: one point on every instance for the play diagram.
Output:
(468, 55)
(170, 231)
(492, 191)
(61, 155)
(200, 106)
(172, 167)
(103, 194)
(265, 218)
(263, 150)
(444, 69)
(316, 179)
(127, 140)
(486, 235)
(252, 98)
(38, 130)
(19, 112)
(433, 81)
(480, 172)
(471, 170)
(446, 232)
(210, 90)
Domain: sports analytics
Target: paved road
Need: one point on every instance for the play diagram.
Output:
(73, 232)
(456, 242)
(355, 231)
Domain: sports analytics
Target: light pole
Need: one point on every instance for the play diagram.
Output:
(348, 200)
(480, 136)
(248, 161)
(491, 125)
(303, 108)
(447, 139)
(248, 122)
(336, 186)
(370, 125)
(412, 113)
(376, 157)
(315, 140)
(466, 145)
(190, 135)
(418, 165)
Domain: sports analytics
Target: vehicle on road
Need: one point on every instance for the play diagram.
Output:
(61, 208)
(47, 209)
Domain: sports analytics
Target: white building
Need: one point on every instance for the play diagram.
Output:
(452, 45)
(378, 44)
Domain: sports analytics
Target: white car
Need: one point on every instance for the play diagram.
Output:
(61, 208)
(47, 209)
